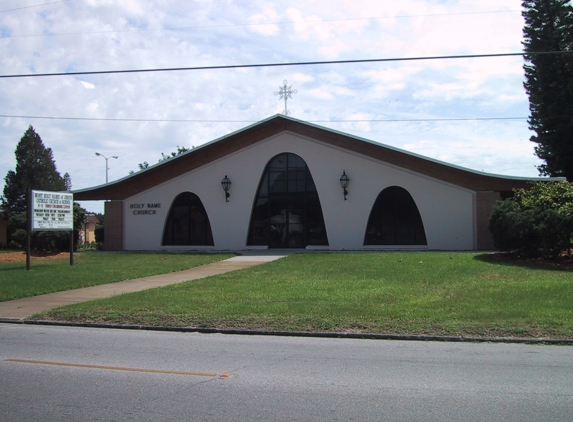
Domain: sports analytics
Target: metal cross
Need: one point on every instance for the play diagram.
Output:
(285, 92)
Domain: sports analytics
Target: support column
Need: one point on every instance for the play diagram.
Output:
(485, 201)
(113, 223)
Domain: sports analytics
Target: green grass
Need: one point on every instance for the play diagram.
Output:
(414, 293)
(90, 269)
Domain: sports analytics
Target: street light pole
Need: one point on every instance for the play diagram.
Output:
(106, 166)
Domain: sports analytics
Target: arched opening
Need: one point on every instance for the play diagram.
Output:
(187, 223)
(395, 220)
(287, 211)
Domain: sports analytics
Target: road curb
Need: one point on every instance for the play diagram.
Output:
(363, 336)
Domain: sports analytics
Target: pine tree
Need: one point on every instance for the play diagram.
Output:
(549, 82)
(35, 169)
(68, 181)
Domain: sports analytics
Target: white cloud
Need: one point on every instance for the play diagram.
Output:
(319, 93)
(302, 77)
(87, 85)
(205, 33)
(263, 23)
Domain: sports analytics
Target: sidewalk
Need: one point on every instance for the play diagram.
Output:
(25, 308)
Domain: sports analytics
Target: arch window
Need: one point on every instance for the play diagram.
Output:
(287, 211)
(395, 220)
(187, 223)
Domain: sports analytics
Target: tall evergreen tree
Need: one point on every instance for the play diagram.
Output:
(549, 82)
(35, 169)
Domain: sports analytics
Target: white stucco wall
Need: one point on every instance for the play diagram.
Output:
(447, 210)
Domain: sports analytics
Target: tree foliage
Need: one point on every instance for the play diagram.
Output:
(180, 150)
(164, 157)
(36, 170)
(549, 82)
(536, 220)
(44, 240)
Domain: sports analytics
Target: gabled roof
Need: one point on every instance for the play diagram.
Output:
(92, 218)
(197, 157)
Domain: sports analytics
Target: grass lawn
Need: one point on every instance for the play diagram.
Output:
(414, 293)
(90, 269)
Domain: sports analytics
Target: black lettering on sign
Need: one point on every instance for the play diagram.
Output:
(139, 209)
(144, 212)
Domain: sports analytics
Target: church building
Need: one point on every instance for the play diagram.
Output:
(285, 183)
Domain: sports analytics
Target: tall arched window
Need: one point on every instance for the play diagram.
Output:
(395, 220)
(287, 211)
(187, 223)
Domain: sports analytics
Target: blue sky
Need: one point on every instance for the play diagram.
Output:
(383, 102)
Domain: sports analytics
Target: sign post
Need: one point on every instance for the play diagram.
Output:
(51, 211)
(28, 228)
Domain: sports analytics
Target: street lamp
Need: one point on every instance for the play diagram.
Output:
(106, 166)
(344, 181)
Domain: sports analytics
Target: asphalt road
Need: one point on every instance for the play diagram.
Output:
(86, 374)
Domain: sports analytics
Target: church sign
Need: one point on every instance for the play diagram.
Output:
(49, 211)
(52, 211)
(145, 209)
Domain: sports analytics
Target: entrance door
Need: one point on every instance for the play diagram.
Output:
(287, 223)
(287, 211)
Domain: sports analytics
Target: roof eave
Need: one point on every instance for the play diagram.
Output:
(218, 148)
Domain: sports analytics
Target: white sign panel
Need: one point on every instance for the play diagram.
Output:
(52, 210)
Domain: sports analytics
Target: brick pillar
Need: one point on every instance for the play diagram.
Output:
(3, 231)
(485, 201)
(113, 224)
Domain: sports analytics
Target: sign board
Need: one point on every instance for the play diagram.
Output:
(52, 210)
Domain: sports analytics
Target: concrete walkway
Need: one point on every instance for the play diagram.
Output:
(25, 308)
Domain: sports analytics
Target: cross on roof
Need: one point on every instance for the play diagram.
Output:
(285, 91)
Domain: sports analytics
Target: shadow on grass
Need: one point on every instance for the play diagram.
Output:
(19, 268)
(513, 260)
(33, 266)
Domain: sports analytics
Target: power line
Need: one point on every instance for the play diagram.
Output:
(246, 66)
(453, 119)
(461, 119)
(28, 7)
(181, 28)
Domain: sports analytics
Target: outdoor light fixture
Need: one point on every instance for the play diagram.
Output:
(106, 166)
(344, 180)
(226, 183)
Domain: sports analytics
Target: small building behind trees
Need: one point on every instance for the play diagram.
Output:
(87, 231)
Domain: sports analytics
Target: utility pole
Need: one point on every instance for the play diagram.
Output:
(106, 166)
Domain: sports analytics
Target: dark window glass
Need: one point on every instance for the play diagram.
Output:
(287, 211)
(395, 220)
(187, 223)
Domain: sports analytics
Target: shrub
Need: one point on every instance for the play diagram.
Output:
(45, 240)
(537, 220)
(513, 228)
(99, 233)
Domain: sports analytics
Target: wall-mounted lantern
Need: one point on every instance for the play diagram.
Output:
(226, 183)
(344, 180)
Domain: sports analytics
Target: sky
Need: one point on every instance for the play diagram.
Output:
(470, 112)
